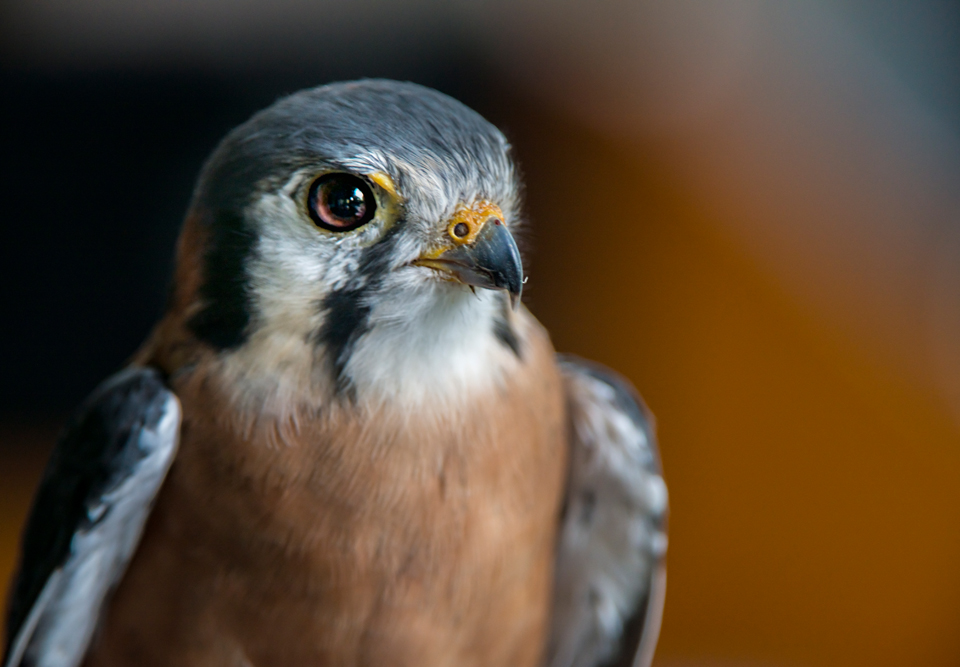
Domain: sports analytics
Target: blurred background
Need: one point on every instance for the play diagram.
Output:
(750, 209)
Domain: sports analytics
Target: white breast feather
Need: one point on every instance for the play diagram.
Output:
(433, 345)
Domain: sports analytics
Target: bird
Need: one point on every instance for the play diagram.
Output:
(347, 441)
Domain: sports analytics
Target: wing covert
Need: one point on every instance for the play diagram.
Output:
(610, 574)
(88, 515)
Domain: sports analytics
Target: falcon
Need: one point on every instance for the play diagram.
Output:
(347, 442)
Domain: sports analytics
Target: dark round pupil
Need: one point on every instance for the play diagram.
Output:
(341, 202)
(345, 201)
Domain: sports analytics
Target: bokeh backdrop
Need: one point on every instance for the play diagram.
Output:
(751, 209)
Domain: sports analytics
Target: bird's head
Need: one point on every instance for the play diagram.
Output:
(357, 237)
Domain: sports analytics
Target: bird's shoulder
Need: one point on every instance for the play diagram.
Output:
(610, 575)
(88, 515)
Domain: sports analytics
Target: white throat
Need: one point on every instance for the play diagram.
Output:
(434, 348)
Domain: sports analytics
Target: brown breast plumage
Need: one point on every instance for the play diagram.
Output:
(349, 536)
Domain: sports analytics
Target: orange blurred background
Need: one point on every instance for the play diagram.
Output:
(749, 209)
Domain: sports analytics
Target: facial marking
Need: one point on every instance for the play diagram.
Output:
(224, 317)
(503, 330)
(344, 296)
(347, 310)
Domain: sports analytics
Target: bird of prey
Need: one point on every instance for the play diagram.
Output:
(347, 442)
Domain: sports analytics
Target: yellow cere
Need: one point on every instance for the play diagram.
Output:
(473, 217)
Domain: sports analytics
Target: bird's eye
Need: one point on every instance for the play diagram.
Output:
(341, 202)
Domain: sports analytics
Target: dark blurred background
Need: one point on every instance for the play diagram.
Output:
(750, 209)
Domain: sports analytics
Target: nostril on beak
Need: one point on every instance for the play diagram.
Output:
(468, 222)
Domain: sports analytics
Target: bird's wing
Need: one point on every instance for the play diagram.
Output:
(610, 574)
(88, 516)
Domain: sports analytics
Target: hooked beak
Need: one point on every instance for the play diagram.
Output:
(490, 259)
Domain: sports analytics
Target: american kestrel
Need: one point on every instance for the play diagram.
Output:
(347, 442)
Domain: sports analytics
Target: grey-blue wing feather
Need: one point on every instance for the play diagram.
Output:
(610, 574)
(88, 515)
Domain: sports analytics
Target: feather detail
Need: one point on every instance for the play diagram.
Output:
(88, 516)
(610, 575)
